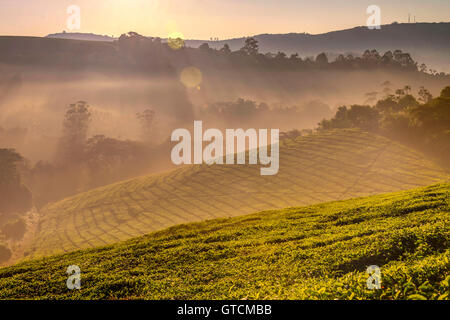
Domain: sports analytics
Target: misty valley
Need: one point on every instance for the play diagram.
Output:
(268, 167)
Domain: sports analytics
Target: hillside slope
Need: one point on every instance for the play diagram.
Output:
(335, 165)
(321, 251)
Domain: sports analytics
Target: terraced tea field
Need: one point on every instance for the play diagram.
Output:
(335, 165)
(316, 252)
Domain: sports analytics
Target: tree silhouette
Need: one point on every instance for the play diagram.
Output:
(322, 59)
(425, 95)
(75, 128)
(15, 197)
(226, 49)
(250, 47)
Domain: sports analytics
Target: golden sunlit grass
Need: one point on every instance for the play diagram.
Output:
(316, 252)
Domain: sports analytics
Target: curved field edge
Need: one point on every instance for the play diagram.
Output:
(323, 167)
(314, 252)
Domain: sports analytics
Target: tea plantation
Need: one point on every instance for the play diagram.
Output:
(334, 165)
(313, 252)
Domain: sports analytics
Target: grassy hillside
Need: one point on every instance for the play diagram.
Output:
(319, 251)
(335, 165)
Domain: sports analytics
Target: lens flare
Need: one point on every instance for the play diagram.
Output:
(191, 77)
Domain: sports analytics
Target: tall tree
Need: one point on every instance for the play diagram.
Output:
(75, 129)
(251, 47)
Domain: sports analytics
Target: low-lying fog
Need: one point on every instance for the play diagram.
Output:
(33, 104)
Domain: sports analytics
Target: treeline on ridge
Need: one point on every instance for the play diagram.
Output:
(423, 123)
(143, 54)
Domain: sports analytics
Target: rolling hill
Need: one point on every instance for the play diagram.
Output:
(316, 252)
(334, 165)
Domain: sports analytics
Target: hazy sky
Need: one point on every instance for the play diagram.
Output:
(202, 19)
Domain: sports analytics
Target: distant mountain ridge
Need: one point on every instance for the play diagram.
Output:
(81, 36)
(357, 38)
(427, 42)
